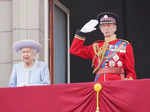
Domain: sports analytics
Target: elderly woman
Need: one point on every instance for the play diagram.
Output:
(30, 71)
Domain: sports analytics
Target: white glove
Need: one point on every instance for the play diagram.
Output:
(90, 26)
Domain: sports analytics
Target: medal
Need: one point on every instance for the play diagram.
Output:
(119, 63)
(111, 63)
(111, 47)
(123, 49)
(116, 57)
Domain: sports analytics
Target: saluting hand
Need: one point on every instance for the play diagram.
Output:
(90, 26)
(87, 28)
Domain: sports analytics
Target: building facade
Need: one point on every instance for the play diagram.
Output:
(21, 19)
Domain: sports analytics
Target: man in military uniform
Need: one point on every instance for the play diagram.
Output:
(112, 58)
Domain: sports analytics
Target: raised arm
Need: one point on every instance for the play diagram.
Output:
(77, 47)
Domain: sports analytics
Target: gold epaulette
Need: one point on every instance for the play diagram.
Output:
(124, 40)
(79, 37)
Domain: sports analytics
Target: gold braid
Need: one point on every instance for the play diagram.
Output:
(97, 51)
(100, 53)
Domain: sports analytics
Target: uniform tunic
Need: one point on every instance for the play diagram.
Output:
(119, 56)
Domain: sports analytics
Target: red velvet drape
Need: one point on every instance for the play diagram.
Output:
(116, 96)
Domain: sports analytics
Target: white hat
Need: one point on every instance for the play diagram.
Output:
(27, 43)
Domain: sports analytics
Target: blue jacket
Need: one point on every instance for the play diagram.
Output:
(38, 74)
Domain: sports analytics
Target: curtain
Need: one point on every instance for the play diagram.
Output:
(115, 96)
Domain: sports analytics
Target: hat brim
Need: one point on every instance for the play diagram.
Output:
(27, 44)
